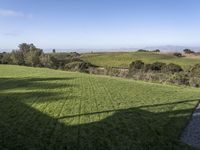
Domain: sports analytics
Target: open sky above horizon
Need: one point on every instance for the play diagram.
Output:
(99, 24)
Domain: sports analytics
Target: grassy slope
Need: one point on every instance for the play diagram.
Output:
(43, 108)
(123, 59)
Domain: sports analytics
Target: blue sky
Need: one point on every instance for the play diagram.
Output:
(99, 23)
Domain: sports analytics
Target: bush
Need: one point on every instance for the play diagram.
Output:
(172, 68)
(179, 79)
(188, 51)
(194, 71)
(157, 50)
(138, 64)
(157, 66)
(195, 82)
(142, 50)
(78, 66)
(177, 54)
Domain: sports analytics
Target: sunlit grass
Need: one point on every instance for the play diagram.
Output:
(50, 109)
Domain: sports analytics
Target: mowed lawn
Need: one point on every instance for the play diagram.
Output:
(50, 109)
(123, 59)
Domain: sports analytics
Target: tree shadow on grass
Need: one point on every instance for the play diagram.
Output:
(33, 83)
(23, 127)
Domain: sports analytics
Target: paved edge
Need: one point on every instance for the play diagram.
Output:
(191, 133)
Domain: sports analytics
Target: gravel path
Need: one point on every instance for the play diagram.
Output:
(191, 134)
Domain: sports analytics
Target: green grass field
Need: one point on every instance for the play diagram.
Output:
(123, 59)
(50, 109)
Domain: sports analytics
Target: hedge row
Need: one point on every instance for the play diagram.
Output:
(154, 67)
(165, 73)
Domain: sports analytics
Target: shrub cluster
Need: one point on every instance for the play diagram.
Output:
(165, 73)
(173, 68)
(157, 66)
(80, 66)
(139, 66)
(142, 50)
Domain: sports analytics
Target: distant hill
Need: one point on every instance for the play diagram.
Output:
(123, 59)
(172, 48)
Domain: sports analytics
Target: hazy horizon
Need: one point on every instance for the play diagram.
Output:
(95, 24)
(164, 48)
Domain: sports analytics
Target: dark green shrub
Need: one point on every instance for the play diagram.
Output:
(157, 50)
(172, 68)
(157, 66)
(142, 50)
(177, 54)
(188, 51)
(138, 64)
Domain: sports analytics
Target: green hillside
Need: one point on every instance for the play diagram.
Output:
(123, 59)
(50, 109)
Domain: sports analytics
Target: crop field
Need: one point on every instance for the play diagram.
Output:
(123, 59)
(51, 109)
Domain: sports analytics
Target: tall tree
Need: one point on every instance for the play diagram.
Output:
(31, 54)
(17, 57)
(24, 48)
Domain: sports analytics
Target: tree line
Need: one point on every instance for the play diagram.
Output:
(27, 54)
(30, 55)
